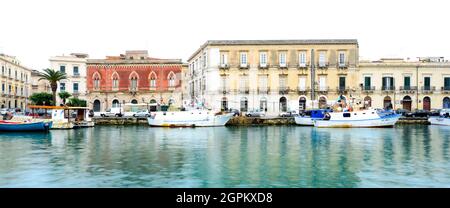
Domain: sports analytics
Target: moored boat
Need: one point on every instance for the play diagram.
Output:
(361, 119)
(194, 118)
(439, 120)
(307, 118)
(25, 126)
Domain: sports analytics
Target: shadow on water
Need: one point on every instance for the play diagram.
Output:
(288, 156)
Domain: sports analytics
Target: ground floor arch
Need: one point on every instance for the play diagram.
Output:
(387, 103)
(97, 106)
(407, 102)
(302, 103)
(322, 102)
(446, 102)
(367, 102)
(263, 104)
(115, 103)
(283, 104)
(224, 104)
(427, 103)
(244, 104)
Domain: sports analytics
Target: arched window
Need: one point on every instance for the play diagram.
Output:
(134, 101)
(96, 78)
(152, 77)
(427, 103)
(115, 81)
(367, 102)
(283, 104)
(446, 102)
(407, 103)
(244, 104)
(171, 101)
(134, 81)
(302, 103)
(115, 103)
(387, 103)
(224, 106)
(171, 77)
(322, 102)
(96, 105)
(263, 104)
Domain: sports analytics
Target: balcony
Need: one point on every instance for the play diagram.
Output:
(445, 89)
(302, 66)
(408, 89)
(283, 90)
(322, 89)
(322, 65)
(224, 91)
(263, 90)
(368, 89)
(342, 65)
(76, 75)
(302, 90)
(388, 88)
(224, 66)
(244, 91)
(427, 89)
(283, 66)
(263, 66)
(342, 89)
(244, 66)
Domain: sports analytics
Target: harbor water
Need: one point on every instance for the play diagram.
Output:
(270, 156)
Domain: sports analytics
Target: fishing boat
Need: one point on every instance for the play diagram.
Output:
(307, 118)
(192, 118)
(25, 126)
(361, 119)
(439, 120)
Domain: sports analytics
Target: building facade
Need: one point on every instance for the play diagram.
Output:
(74, 66)
(272, 75)
(422, 84)
(37, 85)
(133, 77)
(15, 83)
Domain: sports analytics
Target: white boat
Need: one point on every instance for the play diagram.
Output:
(194, 118)
(361, 119)
(307, 118)
(437, 120)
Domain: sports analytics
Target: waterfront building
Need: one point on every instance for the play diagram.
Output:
(405, 84)
(272, 75)
(74, 65)
(14, 81)
(37, 85)
(136, 78)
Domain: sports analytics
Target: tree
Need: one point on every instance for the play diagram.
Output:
(42, 98)
(53, 77)
(76, 102)
(64, 95)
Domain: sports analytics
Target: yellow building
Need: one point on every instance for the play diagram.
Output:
(14, 81)
(422, 84)
(272, 75)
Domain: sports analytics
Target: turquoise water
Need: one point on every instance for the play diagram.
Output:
(139, 156)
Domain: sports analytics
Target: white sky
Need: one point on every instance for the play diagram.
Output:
(35, 30)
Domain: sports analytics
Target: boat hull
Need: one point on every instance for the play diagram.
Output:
(362, 123)
(439, 121)
(19, 126)
(304, 121)
(186, 120)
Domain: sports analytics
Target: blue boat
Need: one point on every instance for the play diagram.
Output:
(307, 118)
(24, 126)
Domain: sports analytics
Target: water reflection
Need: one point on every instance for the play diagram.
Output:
(138, 156)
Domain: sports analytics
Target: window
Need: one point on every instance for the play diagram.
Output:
(263, 59)
(263, 84)
(62, 69)
(75, 71)
(142, 58)
(341, 83)
(407, 83)
(322, 83)
(21, 91)
(224, 59)
(282, 59)
(153, 81)
(3, 88)
(302, 59)
(302, 83)
(347, 115)
(426, 83)
(322, 59)
(447, 83)
(244, 59)
(75, 87)
(133, 83)
(283, 82)
(388, 83)
(341, 59)
(15, 74)
(9, 89)
(223, 82)
(3, 70)
(172, 80)
(62, 87)
(244, 88)
(204, 61)
(367, 83)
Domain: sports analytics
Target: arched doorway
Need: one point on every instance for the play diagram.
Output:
(153, 105)
(171, 101)
(134, 101)
(446, 102)
(224, 104)
(427, 103)
(244, 104)
(407, 103)
(263, 104)
(115, 103)
(283, 104)
(387, 103)
(302, 103)
(367, 102)
(322, 102)
(96, 105)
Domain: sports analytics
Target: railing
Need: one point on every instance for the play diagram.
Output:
(283, 66)
(302, 90)
(263, 90)
(342, 89)
(368, 88)
(302, 65)
(427, 89)
(342, 65)
(387, 88)
(244, 91)
(224, 66)
(244, 66)
(445, 89)
(283, 90)
(322, 89)
(322, 65)
(405, 88)
(263, 66)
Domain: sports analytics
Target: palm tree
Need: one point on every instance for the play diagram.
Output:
(53, 77)
(64, 95)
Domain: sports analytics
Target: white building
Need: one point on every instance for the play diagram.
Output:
(74, 66)
(14, 83)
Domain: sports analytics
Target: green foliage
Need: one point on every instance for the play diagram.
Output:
(40, 98)
(53, 77)
(64, 95)
(76, 102)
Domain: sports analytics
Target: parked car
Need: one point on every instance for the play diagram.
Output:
(142, 113)
(91, 113)
(289, 114)
(420, 113)
(404, 112)
(112, 112)
(3, 111)
(445, 111)
(255, 113)
(235, 112)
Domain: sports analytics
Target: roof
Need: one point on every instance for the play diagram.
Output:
(134, 61)
(277, 42)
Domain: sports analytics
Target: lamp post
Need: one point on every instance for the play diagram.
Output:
(417, 85)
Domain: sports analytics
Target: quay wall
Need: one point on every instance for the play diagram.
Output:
(238, 121)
